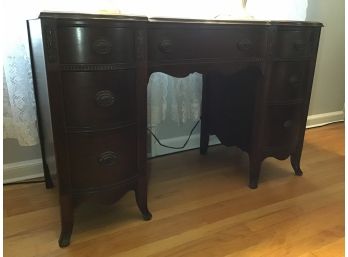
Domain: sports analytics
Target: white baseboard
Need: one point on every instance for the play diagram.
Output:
(324, 118)
(157, 150)
(19, 171)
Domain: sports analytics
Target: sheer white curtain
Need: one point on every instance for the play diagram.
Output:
(169, 98)
(177, 99)
(18, 98)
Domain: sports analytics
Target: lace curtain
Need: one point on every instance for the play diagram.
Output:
(177, 99)
(169, 98)
(19, 110)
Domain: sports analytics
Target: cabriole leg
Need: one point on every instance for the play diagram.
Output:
(141, 198)
(204, 139)
(295, 163)
(67, 220)
(254, 172)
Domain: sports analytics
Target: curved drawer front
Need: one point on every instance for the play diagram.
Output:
(95, 45)
(99, 99)
(288, 81)
(293, 43)
(188, 44)
(282, 126)
(102, 159)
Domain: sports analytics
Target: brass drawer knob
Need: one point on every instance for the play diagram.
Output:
(107, 158)
(244, 45)
(166, 46)
(105, 98)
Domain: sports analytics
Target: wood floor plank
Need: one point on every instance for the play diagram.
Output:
(201, 207)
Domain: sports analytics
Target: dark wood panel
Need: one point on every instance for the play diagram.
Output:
(281, 129)
(293, 43)
(230, 105)
(100, 159)
(95, 45)
(97, 100)
(289, 81)
(43, 107)
(208, 43)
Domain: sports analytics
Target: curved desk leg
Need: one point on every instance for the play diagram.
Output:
(141, 198)
(204, 138)
(254, 172)
(295, 163)
(67, 220)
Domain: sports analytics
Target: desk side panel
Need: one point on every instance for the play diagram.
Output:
(41, 94)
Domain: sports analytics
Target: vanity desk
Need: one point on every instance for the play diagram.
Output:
(90, 79)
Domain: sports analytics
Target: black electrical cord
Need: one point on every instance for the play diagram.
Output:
(174, 147)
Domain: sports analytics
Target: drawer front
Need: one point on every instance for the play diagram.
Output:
(288, 82)
(99, 99)
(95, 45)
(102, 159)
(186, 44)
(293, 43)
(282, 127)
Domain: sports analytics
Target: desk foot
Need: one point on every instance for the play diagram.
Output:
(253, 184)
(203, 151)
(147, 215)
(295, 163)
(64, 239)
(254, 173)
(204, 137)
(141, 199)
(67, 220)
(299, 172)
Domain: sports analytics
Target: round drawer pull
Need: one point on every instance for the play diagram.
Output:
(244, 45)
(107, 158)
(166, 46)
(299, 45)
(105, 98)
(287, 124)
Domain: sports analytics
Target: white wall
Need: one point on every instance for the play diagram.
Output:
(328, 87)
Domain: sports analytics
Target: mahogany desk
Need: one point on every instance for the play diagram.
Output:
(91, 74)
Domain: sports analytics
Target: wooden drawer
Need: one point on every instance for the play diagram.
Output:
(102, 159)
(293, 43)
(95, 45)
(99, 99)
(288, 81)
(187, 44)
(282, 127)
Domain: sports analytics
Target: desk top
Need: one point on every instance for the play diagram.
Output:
(84, 16)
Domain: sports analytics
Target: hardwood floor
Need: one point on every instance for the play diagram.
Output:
(201, 206)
